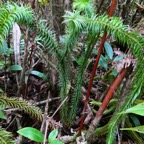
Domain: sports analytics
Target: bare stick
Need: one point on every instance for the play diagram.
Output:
(45, 113)
(48, 120)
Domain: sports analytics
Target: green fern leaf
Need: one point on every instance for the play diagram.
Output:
(30, 109)
(6, 137)
(11, 13)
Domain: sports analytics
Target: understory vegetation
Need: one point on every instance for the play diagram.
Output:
(73, 73)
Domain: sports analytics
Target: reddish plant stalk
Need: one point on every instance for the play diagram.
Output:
(110, 13)
(106, 101)
(110, 92)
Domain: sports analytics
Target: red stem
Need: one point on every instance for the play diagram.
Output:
(105, 103)
(110, 13)
(110, 92)
(111, 10)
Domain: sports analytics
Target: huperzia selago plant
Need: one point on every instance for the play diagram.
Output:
(82, 21)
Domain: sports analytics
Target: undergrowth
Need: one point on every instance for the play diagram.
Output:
(81, 21)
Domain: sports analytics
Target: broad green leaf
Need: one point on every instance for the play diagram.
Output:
(1, 67)
(2, 115)
(135, 120)
(40, 75)
(15, 68)
(56, 142)
(53, 134)
(118, 58)
(108, 50)
(32, 134)
(139, 129)
(103, 62)
(138, 109)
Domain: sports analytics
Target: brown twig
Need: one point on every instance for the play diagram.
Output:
(45, 113)
(48, 120)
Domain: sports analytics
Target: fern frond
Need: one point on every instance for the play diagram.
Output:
(6, 137)
(75, 24)
(11, 13)
(23, 105)
(74, 27)
(121, 32)
(47, 37)
(91, 40)
(65, 85)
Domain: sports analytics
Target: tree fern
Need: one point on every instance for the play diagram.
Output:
(6, 137)
(23, 105)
